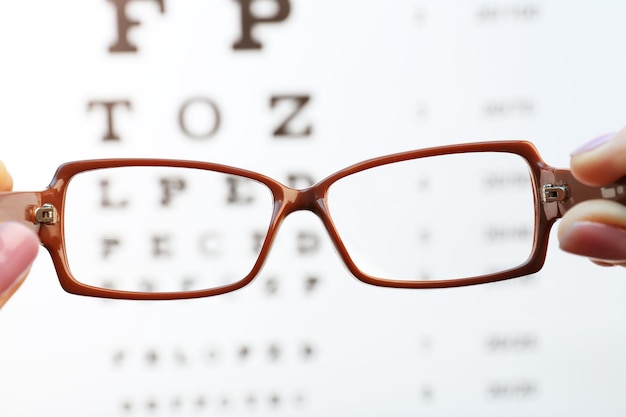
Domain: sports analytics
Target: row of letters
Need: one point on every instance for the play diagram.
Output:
(275, 353)
(514, 390)
(271, 285)
(302, 351)
(252, 401)
(249, 18)
(208, 116)
(208, 244)
(201, 118)
(254, 13)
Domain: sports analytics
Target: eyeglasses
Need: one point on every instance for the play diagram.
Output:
(431, 218)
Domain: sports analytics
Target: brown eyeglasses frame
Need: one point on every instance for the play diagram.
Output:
(555, 191)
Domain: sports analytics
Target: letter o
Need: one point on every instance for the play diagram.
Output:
(196, 104)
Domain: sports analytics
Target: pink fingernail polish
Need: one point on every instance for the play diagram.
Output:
(595, 240)
(594, 143)
(18, 249)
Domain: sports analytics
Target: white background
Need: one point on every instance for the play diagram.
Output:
(383, 76)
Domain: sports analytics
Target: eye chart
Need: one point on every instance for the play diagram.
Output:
(296, 90)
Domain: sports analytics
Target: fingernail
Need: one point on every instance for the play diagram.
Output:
(594, 143)
(595, 240)
(18, 249)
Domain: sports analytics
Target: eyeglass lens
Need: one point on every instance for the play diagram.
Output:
(164, 229)
(423, 219)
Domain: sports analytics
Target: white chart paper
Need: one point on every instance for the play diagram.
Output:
(296, 90)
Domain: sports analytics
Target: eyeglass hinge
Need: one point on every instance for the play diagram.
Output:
(46, 214)
(554, 193)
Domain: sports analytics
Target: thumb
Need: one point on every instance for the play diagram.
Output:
(18, 249)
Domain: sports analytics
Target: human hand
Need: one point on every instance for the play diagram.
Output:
(18, 248)
(597, 228)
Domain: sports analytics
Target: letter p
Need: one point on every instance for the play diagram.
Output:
(249, 19)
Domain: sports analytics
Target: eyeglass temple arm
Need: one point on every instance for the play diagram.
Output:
(24, 207)
(560, 191)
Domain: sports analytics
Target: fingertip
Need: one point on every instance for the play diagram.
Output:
(601, 160)
(605, 244)
(594, 144)
(595, 229)
(6, 181)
